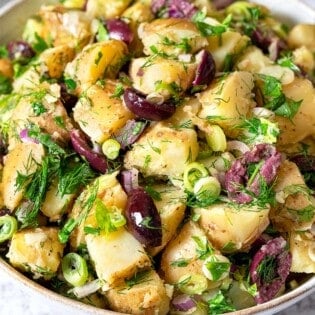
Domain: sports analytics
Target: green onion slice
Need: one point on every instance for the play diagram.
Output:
(192, 173)
(74, 269)
(207, 187)
(8, 226)
(216, 140)
(193, 284)
(110, 148)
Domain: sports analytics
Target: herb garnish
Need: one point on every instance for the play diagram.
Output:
(220, 304)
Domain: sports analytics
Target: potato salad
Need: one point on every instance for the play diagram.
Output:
(158, 156)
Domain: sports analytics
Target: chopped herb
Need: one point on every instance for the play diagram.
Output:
(4, 53)
(138, 278)
(305, 214)
(288, 109)
(203, 248)
(38, 108)
(60, 122)
(147, 222)
(183, 44)
(267, 269)
(154, 194)
(119, 91)
(64, 233)
(287, 61)
(207, 29)
(102, 33)
(5, 85)
(98, 58)
(91, 230)
(147, 161)
(39, 45)
(182, 262)
(70, 84)
(219, 304)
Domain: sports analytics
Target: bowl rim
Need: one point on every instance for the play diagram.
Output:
(281, 302)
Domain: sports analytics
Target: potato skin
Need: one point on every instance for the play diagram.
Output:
(147, 297)
(302, 35)
(99, 114)
(36, 250)
(163, 151)
(174, 31)
(235, 229)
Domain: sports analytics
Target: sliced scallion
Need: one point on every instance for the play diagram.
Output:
(216, 140)
(193, 284)
(74, 269)
(216, 267)
(192, 173)
(111, 148)
(8, 226)
(207, 187)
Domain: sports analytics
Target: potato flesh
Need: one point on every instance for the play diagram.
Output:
(287, 215)
(22, 159)
(174, 31)
(163, 151)
(146, 297)
(235, 229)
(171, 208)
(182, 247)
(37, 250)
(109, 192)
(229, 99)
(302, 124)
(123, 255)
(106, 9)
(99, 114)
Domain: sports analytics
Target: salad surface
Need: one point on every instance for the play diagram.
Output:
(158, 156)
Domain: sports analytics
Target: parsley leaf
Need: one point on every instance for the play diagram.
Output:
(288, 109)
(287, 61)
(119, 91)
(39, 45)
(219, 304)
(70, 84)
(38, 108)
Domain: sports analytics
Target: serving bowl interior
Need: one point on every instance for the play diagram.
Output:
(12, 18)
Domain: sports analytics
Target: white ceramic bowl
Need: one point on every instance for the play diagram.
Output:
(12, 18)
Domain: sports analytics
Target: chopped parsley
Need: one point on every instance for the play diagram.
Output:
(220, 304)
(119, 91)
(5, 85)
(203, 248)
(40, 44)
(70, 84)
(287, 61)
(38, 108)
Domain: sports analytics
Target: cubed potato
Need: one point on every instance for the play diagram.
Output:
(302, 35)
(302, 249)
(55, 205)
(159, 75)
(302, 124)
(180, 257)
(123, 255)
(254, 61)
(228, 100)
(27, 81)
(53, 60)
(97, 61)
(304, 58)
(106, 9)
(36, 250)
(109, 191)
(231, 229)
(42, 107)
(295, 208)
(99, 114)
(146, 296)
(225, 46)
(171, 208)
(23, 159)
(172, 36)
(59, 26)
(163, 151)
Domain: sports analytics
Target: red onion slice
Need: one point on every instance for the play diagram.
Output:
(120, 30)
(205, 72)
(129, 180)
(26, 138)
(183, 303)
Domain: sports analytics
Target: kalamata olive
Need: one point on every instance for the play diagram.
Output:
(206, 68)
(173, 8)
(130, 133)
(120, 30)
(270, 268)
(306, 163)
(81, 146)
(143, 218)
(20, 51)
(145, 109)
(68, 100)
(221, 4)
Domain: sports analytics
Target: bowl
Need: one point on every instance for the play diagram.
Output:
(12, 18)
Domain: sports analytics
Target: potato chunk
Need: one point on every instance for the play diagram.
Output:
(171, 36)
(99, 114)
(171, 207)
(296, 205)
(97, 61)
(36, 250)
(123, 255)
(232, 229)
(302, 124)
(106, 9)
(163, 151)
(109, 191)
(302, 249)
(163, 76)
(302, 35)
(180, 257)
(22, 159)
(145, 296)
(228, 100)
